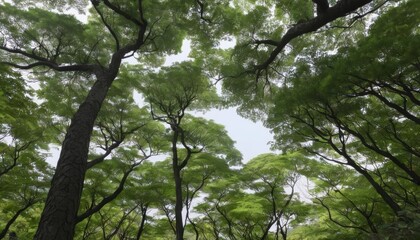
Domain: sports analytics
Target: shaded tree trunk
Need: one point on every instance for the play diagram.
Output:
(58, 219)
(143, 221)
(179, 203)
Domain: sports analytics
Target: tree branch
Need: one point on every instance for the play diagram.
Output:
(114, 35)
(109, 198)
(122, 13)
(340, 9)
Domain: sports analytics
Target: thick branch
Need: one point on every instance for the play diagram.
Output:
(321, 6)
(341, 9)
(55, 66)
(103, 156)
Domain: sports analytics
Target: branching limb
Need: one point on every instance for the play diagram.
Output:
(335, 221)
(201, 10)
(340, 9)
(15, 157)
(122, 13)
(113, 33)
(111, 197)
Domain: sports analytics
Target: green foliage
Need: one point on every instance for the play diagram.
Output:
(348, 94)
(405, 227)
(24, 174)
(347, 108)
(177, 88)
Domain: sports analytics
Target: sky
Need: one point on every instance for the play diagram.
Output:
(251, 138)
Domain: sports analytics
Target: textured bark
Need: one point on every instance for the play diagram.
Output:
(58, 218)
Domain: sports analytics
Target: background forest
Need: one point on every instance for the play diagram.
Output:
(336, 81)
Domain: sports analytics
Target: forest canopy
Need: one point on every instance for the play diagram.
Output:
(336, 81)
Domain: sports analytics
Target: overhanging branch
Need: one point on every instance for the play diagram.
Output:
(340, 9)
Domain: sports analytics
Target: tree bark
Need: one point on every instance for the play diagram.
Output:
(179, 203)
(58, 219)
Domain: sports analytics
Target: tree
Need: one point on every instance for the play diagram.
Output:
(256, 202)
(52, 38)
(171, 92)
(274, 37)
(273, 178)
(221, 197)
(203, 169)
(23, 190)
(353, 209)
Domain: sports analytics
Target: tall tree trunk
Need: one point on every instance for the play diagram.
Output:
(58, 219)
(179, 203)
(143, 221)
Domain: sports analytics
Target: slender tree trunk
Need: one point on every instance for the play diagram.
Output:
(58, 219)
(179, 203)
(143, 221)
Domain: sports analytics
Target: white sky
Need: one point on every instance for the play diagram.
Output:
(251, 138)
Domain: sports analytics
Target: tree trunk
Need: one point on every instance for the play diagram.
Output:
(58, 219)
(143, 221)
(179, 203)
